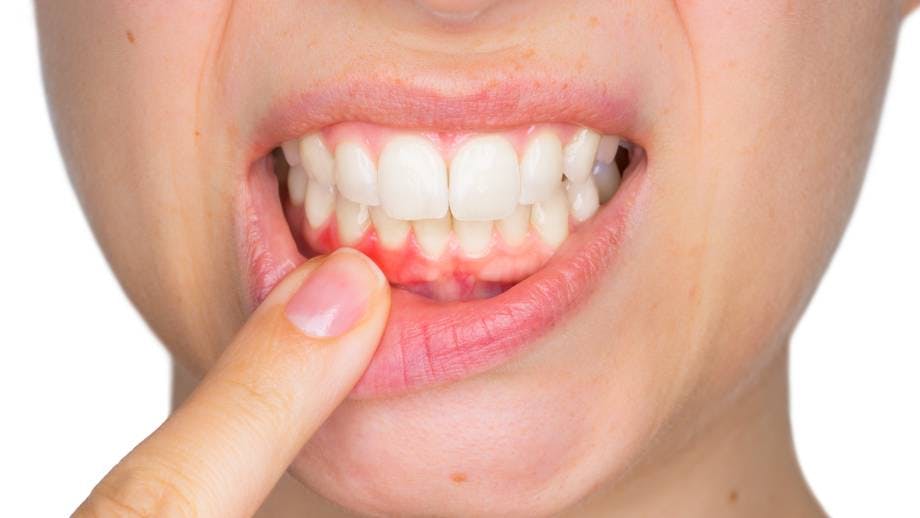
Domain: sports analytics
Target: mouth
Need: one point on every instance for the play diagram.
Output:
(489, 237)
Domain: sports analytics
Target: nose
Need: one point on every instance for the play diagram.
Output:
(456, 9)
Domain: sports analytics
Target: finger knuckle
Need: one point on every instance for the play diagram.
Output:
(136, 492)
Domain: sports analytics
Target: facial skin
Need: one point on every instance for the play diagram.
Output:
(757, 118)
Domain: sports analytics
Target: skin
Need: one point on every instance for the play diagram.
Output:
(683, 402)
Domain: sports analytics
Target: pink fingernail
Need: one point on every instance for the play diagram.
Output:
(335, 296)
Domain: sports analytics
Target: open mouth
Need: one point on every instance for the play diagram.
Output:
(488, 238)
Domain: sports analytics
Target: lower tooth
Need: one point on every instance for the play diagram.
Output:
(475, 237)
(319, 202)
(583, 199)
(515, 227)
(297, 184)
(607, 179)
(432, 235)
(392, 233)
(551, 218)
(352, 220)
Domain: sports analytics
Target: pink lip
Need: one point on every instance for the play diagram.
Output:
(426, 342)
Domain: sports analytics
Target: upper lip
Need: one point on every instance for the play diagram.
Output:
(477, 106)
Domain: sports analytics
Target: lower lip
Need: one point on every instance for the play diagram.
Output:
(428, 342)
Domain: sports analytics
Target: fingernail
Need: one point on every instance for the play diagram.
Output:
(336, 295)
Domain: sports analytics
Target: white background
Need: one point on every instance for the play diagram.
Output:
(82, 379)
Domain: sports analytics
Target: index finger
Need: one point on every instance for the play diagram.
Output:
(226, 446)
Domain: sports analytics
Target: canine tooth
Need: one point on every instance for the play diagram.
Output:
(607, 148)
(412, 179)
(352, 220)
(579, 155)
(432, 235)
(392, 233)
(319, 202)
(475, 237)
(297, 184)
(515, 227)
(485, 181)
(291, 150)
(607, 180)
(355, 174)
(317, 160)
(551, 218)
(541, 168)
(583, 200)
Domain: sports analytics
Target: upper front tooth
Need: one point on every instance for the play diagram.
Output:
(541, 168)
(583, 199)
(485, 182)
(607, 149)
(579, 155)
(355, 174)
(317, 160)
(607, 180)
(412, 179)
(291, 150)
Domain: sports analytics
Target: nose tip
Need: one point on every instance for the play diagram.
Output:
(456, 9)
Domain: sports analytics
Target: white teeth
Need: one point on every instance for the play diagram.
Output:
(317, 160)
(607, 149)
(607, 180)
(320, 200)
(392, 233)
(297, 184)
(515, 227)
(475, 237)
(412, 179)
(432, 235)
(352, 220)
(579, 155)
(484, 179)
(583, 200)
(355, 174)
(541, 168)
(291, 150)
(551, 218)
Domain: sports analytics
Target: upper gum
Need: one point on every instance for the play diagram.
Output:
(375, 137)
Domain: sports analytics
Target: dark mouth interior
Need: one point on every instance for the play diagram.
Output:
(627, 157)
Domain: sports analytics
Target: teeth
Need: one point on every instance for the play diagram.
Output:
(297, 184)
(391, 232)
(317, 160)
(551, 218)
(607, 179)
(583, 200)
(291, 150)
(352, 220)
(541, 168)
(579, 155)
(320, 200)
(355, 174)
(432, 235)
(475, 237)
(412, 179)
(607, 149)
(484, 180)
(515, 227)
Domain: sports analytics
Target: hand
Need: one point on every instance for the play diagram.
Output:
(222, 451)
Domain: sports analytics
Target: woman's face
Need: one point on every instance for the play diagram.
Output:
(506, 382)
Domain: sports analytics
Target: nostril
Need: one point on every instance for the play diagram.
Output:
(455, 10)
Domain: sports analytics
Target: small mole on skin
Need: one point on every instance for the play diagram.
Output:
(458, 478)
(593, 21)
(733, 496)
(130, 36)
